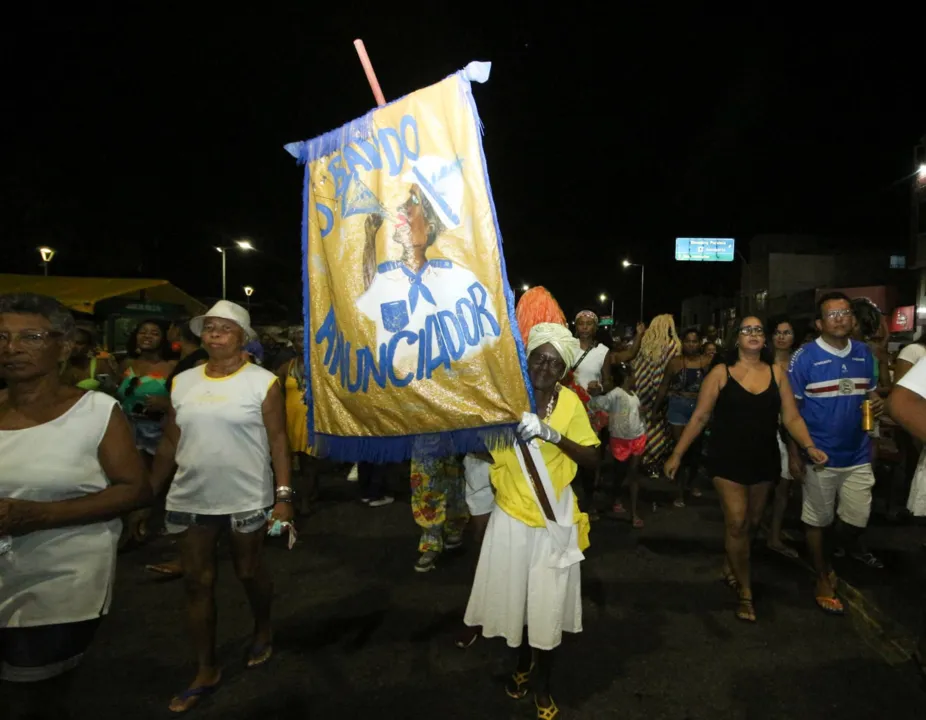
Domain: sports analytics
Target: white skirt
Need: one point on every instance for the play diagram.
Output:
(515, 586)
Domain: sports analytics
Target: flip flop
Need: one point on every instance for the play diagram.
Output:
(467, 637)
(200, 693)
(638, 523)
(259, 655)
(831, 605)
(162, 569)
(788, 552)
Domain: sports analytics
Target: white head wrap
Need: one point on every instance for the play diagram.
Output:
(559, 337)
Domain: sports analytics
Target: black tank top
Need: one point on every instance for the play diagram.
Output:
(743, 430)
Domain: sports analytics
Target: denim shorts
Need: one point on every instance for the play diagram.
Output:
(242, 523)
(41, 652)
(680, 409)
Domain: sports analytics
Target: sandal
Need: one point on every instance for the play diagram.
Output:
(730, 579)
(746, 610)
(696, 492)
(547, 713)
(259, 655)
(679, 503)
(169, 569)
(516, 687)
(197, 694)
(868, 560)
(830, 605)
(467, 636)
(637, 522)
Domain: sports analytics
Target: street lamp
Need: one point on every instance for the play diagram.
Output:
(603, 298)
(628, 264)
(47, 254)
(241, 245)
(248, 291)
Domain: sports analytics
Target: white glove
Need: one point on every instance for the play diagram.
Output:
(532, 427)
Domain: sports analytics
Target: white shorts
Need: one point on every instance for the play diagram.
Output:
(783, 451)
(515, 586)
(853, 486)
(480, 497)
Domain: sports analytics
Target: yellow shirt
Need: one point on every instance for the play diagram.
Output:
(513, 490)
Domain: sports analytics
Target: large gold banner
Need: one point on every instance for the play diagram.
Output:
(410, 327)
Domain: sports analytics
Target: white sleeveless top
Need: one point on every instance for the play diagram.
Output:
(589, 370)
(223, 459)
(63, 575)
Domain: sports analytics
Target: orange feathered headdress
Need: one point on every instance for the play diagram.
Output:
(537, 306)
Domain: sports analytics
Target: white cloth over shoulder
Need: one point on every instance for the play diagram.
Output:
(223, 458)
(564, 533)
(63, 575)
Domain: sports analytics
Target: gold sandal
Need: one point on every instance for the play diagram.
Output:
(520, 680)
(547, 713)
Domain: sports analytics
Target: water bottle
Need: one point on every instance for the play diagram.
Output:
(6, 544)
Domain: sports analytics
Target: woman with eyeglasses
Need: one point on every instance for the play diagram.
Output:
(69, 470)
(226, 456)
(781, 330)
(742, 397)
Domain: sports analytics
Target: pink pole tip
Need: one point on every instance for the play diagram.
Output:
(368, 69)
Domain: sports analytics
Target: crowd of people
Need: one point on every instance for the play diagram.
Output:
(198, 434)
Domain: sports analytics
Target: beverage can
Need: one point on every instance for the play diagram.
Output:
(867, 419)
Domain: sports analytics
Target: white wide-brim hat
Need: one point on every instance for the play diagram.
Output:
(226, 310)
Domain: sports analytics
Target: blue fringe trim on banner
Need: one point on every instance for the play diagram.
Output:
(397, 449)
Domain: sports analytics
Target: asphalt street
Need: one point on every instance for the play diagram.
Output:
(359, 634)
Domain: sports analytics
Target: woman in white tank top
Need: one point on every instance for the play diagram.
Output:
(226, 439)
(69, 470)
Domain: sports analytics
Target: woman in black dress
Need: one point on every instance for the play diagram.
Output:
(742, 398)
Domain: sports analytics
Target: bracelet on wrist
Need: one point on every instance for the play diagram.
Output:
(284, 491)
(287, 500)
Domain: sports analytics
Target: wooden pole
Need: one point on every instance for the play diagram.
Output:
(368, 69)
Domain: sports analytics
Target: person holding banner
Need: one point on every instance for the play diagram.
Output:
(527, 587)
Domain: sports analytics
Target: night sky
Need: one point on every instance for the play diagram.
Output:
(135, 143)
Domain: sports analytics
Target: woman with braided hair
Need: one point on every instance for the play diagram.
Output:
(660, 344)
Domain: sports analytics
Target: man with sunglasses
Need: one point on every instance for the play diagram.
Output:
(831, 378)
